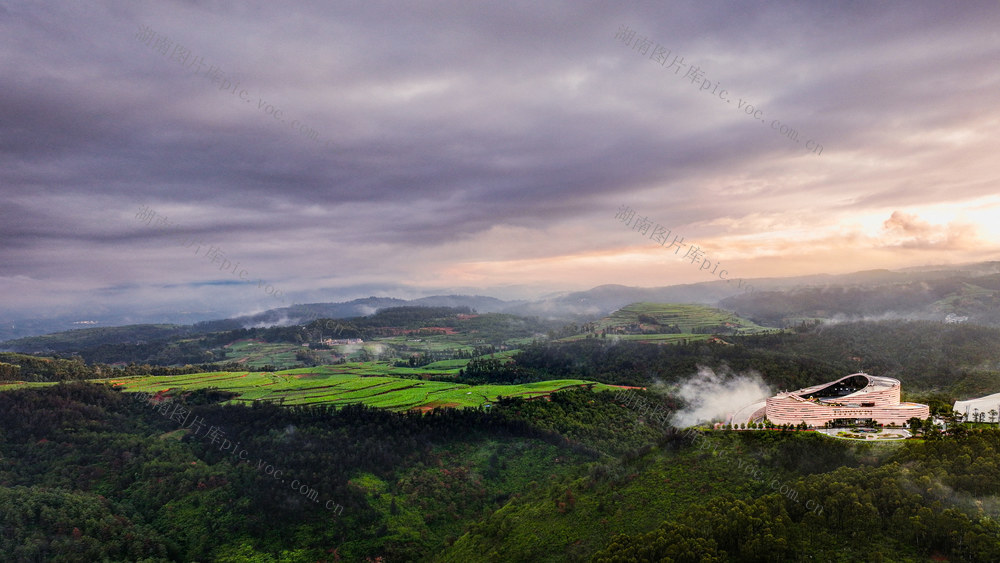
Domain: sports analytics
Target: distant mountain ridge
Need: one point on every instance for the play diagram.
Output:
(931, 292)
(285, 316)
(303, 313)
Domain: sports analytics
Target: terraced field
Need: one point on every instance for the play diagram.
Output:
(687, 317)
(6, 386)
(641, 322)
(653, 338)
(345, 384)
(253, 354)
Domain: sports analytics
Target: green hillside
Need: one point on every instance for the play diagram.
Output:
(423, 334)
(689, 318)
(928, 296)
(668, 323)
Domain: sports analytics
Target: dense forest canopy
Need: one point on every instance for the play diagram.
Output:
(90, 473)
(928, 297)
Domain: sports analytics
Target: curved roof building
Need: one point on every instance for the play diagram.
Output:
(854, 398)
(983, 404)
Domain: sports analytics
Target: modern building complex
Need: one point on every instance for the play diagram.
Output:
(857, 398)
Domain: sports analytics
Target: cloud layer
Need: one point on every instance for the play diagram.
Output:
(339, 150)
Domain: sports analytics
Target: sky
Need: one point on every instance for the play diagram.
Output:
(233, 157)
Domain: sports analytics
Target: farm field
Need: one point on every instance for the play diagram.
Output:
(368, 383)
(257, 353)
(8, 385)
(452, 366)
(688, 318)
(653, 338)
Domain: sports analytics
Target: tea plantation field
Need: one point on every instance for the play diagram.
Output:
(369, 383)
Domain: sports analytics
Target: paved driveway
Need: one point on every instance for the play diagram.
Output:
(887, 434)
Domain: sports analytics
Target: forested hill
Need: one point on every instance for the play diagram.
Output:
(71, 341)
(924, 296)
(23, 367)
(90, 474)
(918, 506)
(182, 345)
(294, 314)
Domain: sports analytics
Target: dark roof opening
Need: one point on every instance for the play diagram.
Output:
(840, 388)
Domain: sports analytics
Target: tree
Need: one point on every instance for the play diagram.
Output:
(952, 417)
(930, 429)
(9, 372)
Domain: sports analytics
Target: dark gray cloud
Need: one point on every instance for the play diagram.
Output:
(458, 142)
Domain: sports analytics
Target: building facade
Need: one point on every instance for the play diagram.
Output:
(985, 409)
(856, 398)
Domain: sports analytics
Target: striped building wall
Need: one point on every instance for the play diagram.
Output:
(789, 408)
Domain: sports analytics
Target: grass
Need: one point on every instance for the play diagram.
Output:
(696, 322)
(7, 386)
(367, 383)
(654, 338)
(687, 317)
(255, 354)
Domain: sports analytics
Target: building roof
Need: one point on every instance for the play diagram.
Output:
(875, 383)
(984, 404)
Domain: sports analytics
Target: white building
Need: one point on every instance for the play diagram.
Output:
(983, 405)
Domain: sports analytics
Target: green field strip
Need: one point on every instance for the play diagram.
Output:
(337, 385)
(447, 364)
(295, 391)
(428, 395)
(365, 395)
(181, 381)
(318, 370)
(368, 382)
(24, 384)
(315, 394)
(194, 378)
